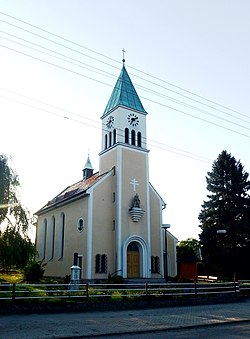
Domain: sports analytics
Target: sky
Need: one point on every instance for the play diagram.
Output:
(188, 60)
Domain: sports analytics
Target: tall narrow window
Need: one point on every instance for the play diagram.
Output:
(139, 139)
(101, 263)
(97, 263)
(106, 141)
(126, 136)
(52, 238)
(114, 136)
(110, 139)
(44, 236)
(152, 264)
(133, 137)
(155, 264)
(61, 236)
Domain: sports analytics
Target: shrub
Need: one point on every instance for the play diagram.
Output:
(34, 271)
(116, 279)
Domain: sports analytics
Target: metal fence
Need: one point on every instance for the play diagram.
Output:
(119, 291)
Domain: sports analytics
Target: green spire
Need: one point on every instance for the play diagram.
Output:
(88, 169)
(124, 94)
(88, 164)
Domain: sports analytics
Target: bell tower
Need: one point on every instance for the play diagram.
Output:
(124, 147)
(123, 121)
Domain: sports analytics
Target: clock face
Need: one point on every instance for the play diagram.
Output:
(133, 119)
(110, 121)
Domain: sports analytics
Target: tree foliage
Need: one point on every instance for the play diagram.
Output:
(188, 250)
(16, 250)
(11, 210)
(228, 209)
(34, 271)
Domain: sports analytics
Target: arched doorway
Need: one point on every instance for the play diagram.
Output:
(133, 260)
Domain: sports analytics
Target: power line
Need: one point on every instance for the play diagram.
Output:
(153, 143)
(60, 37)
(57, 43)
(156, 102)
(50, 50)
(113, 60)
(193, 116)
(149, 90)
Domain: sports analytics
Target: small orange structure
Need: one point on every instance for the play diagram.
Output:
(188, 270)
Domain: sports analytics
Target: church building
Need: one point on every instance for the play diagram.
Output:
(111, 219)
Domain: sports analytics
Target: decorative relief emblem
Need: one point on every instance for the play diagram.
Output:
(135, 211)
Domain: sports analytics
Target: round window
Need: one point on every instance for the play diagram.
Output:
(80, 225)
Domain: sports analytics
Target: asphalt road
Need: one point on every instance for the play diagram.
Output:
(232, 331)
(172, 320)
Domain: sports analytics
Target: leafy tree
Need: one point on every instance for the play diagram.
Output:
(11, 210)
(188, 250)
(16, 248)
(227, 209)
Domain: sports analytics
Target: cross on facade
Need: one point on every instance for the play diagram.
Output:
(134, 183)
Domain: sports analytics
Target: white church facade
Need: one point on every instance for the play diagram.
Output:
(112, 218)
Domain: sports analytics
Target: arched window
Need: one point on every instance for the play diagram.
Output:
(52, 238)
(101, 263)
(44, 238)
(139, 139)
(133, 137)
(106, 141)
(114, 136)
(110, 139)
(126, 135)
(61, 236)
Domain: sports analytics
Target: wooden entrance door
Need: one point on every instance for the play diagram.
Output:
(133, 260)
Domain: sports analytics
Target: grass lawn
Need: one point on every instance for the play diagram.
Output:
(12, 277)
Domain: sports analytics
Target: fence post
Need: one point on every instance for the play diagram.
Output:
(13, 292)
(146, 288)
(235, 287)
(195, 288)
(87, 290)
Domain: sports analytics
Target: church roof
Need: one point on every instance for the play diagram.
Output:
(124, 94)
(73, 191)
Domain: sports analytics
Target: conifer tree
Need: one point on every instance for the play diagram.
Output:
(227, 209)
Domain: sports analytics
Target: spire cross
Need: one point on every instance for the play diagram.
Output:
(134, 183)
(123, 54)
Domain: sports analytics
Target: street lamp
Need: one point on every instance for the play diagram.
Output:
(165, 227)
